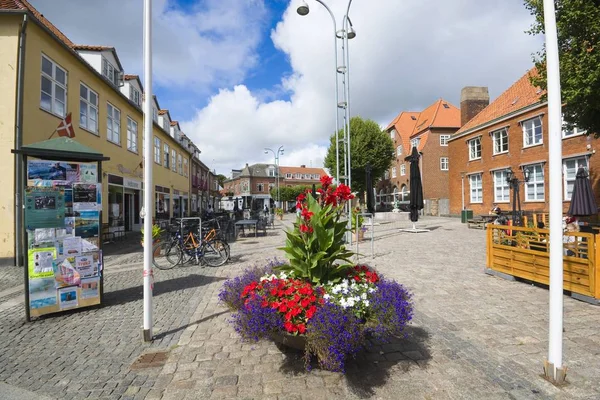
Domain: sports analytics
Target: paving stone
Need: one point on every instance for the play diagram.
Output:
(228, 380)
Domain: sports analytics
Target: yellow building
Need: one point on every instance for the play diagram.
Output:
(44, 77)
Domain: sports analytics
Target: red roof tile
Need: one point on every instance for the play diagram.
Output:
(302, 170)
(440, 114)
(129, 77)
(162, 112)
(173, 123)
(520, 95)
(92, 47)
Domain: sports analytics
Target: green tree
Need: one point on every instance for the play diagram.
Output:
(368, 145)
(578, 25)
(288, 193)
(221, 179)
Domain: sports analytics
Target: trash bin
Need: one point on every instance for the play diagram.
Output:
(466, 215)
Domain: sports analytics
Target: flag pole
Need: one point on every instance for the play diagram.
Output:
(148, 185)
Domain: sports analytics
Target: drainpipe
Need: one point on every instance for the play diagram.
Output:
(19, 181)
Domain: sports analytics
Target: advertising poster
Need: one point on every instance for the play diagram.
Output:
(71, 246)
(44, 207)
(65, 273)
(67, 297)
(85, 196)
(90, 287)
(88, 172)
(60, 173)
(68, 201)
(89, 244)
(44, 235)
(70, 225)
(41, 262)
(42, 293)
(87, 223)
(86, 266)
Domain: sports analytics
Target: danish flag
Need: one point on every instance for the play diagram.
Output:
(65, 128)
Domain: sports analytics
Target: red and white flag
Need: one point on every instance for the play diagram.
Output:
(65, 128)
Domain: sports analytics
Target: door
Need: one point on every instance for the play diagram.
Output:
(128, 212)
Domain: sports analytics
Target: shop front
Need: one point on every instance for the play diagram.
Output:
(162, 199)
(124, 201)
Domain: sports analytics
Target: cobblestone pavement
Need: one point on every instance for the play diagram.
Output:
(473, 336)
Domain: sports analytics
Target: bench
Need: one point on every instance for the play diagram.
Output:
(476, 223)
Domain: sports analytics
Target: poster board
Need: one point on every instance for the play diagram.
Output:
(63, 214)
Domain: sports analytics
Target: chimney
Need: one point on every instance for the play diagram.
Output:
(473, 99)
(303, 166)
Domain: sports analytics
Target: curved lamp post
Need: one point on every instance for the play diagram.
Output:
(514, 182)
(276, 155)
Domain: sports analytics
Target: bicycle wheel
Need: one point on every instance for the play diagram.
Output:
(215, 253)
(166, 255)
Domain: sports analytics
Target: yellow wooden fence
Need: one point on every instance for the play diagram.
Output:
(522, 252)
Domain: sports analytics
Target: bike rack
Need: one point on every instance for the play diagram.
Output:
(182, 220)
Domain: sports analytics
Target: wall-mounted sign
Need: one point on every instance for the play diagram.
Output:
(132, 183)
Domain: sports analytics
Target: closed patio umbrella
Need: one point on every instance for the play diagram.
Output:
(583, 202)
(416, 187)
(369, 189)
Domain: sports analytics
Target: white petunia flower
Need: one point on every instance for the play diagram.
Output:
(326, 296)
(363, 296)
(366, 302)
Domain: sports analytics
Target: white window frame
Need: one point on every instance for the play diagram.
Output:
(393, 172)
(569, 173)
(474, 148)
(55, 85)
(132, 135)
(157, 144)
(260, 187)
(173, 160)
(110, 71)
(185, 167)
(415, 143)
(444, 162)
(393, 134)
(501, 187)
(113, 124)
(180, 163)
(166, 155)
(500, 140)
(386, 174)
(476, 188)
(87, 107)
(288, 176)
(135, 96)
(574, 132)
(402, 170)
(444, 140)
(399, 150)
(535, 182)
(529, 130)
(298, 176)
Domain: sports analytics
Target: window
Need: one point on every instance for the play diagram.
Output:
(574, 131)
(54, 88)
(500, 138)
(109, 71)
(166, 123)
(259, 187)
(501, 187)
(399, 150)
(532, 131)
(156, 150)
(173, 160)
(113, 124)
(475, 148)
(393, 134)
(180, 164)
(298, 176)
(444, 140)
(393, 172)
(288, 176)
(402, 170)
(166, 155)
(476, 188)
(570, 167)
(444, 163)
(88, 108)
(271, 171)
(185, 167)
(132, 133)
(134, 95)
(415, 143)
(534, 189)
(386, 175)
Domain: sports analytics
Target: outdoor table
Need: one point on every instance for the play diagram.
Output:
(487, 218)
(246, 222)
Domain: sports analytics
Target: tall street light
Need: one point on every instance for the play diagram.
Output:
(276, 155)
(514, 182)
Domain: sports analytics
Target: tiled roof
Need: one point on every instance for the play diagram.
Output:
(92, 47)
(520, 95)
(440, 114)
(23, 5)
(129, 77)
(163, 112)
(404, 124)
(302, 170)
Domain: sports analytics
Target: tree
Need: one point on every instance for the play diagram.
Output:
(578, 25)
(221, 179)
(288, 193)
(368, 145)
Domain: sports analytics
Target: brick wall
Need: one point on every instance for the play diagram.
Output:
(435, 181)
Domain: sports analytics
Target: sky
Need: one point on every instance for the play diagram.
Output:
(245, 75)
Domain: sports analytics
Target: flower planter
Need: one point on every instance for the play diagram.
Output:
(157, 250)
(280, 217)
(295, 342)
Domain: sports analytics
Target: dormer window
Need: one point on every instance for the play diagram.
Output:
(134, 95)
(271, 171)
(109, 71)
(393, 134)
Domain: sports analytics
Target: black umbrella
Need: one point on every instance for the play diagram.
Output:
(583, 202)
(416, 187)
(369, 188)
(314, 191)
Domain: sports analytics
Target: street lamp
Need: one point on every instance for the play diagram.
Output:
(514, 183)
(276, 155)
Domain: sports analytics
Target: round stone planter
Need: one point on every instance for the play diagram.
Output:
(295, 342)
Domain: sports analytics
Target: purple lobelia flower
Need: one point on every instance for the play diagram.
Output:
(254, 322)
(390, 309)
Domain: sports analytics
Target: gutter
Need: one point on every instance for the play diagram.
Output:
(19, 173)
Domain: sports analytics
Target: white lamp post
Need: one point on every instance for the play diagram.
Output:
(276, 155)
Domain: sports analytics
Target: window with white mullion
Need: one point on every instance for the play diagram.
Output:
(402, 170)
(156, 150)
(570, 168)
(500, 141)
(173, 160)
(113, 124)
(532, 131)
(444, 163)
(393, 172)
(501, 187)
(88, 108)
(444, 140)
(180, 163)
(534, 189)
(110, 72)
(132, 134)
(166, 152)
(134, 95)
(572, 131)
(475, 148)
(476, 188)
(53, 95)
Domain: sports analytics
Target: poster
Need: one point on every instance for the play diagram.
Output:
(70, 225)
(67, 297)
(90, 287)
(87, 223)
(71, 246)
(88, 172)
(86, 196)
(42, 293)
(86, 266)
(44, 207)
(40, 262)
(44, 235)
(65, 274)
(60, 173)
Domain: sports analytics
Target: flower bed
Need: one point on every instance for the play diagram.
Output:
(318, 295)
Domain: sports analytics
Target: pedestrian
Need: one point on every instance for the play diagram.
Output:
(569, 240)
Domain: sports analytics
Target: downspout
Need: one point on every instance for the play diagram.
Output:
(19, 181)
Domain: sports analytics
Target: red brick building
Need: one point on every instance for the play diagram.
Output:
(512, 134)
(428, 130)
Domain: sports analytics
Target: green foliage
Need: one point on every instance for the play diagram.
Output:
(279, 211)
(221, 179)
(289, 193)
(578, 25)
(361, 219)
(313, 255)
(156, 232)
(368, 145)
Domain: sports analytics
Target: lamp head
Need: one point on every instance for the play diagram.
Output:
(266, 151)
(303, 9)
(351, 33)
(526, 174)
(509, 175)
